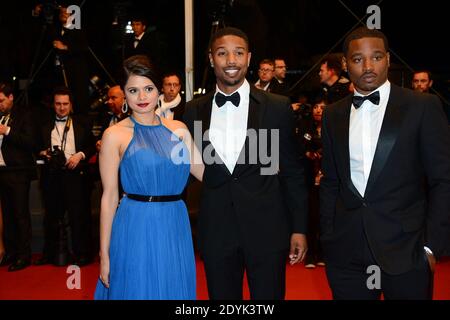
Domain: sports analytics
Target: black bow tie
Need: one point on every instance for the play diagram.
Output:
(373, 97)
(235, 98)
(61, 119)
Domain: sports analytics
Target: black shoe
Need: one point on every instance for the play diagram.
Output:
(7, 260)
(42, 261)
(61, 259)
(19, 264)
(81, 261)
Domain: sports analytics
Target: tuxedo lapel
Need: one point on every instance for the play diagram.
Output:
(204, 112)
(343, 125)
(388, 135)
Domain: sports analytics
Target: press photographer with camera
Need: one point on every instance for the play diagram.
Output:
(17, 169)
(71, 64)
(66, 143)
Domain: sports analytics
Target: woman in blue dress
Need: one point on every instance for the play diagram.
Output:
(146, 249)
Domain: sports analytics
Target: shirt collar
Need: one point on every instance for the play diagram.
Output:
(384, 90)
(244, 90)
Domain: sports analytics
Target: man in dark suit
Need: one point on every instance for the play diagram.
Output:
(146, 41)
(16, 171)
(380, 230)
(113, 111)
(253, 210)
(67, 143)
(71, 49)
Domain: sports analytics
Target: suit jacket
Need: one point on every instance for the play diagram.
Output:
(75, 62)
(19, 145)
(104, 119)
(246, 208)
(151, 45)
(396, 214)
(84, 139)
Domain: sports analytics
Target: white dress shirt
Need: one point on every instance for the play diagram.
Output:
(228, 128)
(258, 85)
(364, 130)
(137, 39)
(4, 120)
(57, 136)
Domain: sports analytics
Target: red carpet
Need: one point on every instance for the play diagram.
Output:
(49, 283)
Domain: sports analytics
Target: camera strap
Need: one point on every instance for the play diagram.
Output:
(66, 130)
(5, 119)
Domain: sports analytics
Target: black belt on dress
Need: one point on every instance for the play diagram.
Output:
(144, 198)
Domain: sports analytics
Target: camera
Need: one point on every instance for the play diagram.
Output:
(303, 111)
(99, 91)
(49, 10)
(57, 160)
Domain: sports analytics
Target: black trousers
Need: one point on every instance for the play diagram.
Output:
(358, 280)
(67, 190)
(14, 194)
(265, 274)
(314, 253)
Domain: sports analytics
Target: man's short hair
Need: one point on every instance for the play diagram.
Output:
(6, 88)
(139, 18)
(63, 91)
(229, 31)
(428, 72)
(364, 32)
(268, 61)
(334, 63)
(171, 74)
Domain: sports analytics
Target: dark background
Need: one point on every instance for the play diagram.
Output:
(301, 31)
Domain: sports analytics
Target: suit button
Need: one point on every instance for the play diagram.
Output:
(364, 205)
(235, 179)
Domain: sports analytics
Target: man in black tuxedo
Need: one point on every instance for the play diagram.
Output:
(71, 50)
(65, 180)
(253, 212)
(380, 230)
(17, 168)
(146, 41)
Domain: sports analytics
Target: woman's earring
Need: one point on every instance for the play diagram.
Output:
(125, 107)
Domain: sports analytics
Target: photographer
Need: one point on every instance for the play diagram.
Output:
(66, 143)
(17, 169)
(71, 49)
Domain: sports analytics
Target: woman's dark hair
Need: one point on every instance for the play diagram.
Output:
(140, 65)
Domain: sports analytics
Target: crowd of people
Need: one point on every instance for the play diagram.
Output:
(347, 191)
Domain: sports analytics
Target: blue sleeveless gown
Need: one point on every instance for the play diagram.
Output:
(151, 251)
